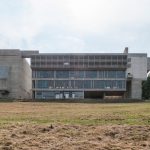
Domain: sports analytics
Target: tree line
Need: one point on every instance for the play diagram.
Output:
(146, 89)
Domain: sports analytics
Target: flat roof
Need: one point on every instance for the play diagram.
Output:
(129, 54)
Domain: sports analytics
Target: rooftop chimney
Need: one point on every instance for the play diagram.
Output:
(126, 50)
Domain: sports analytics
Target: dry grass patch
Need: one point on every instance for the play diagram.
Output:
(63, 126)
(74, 137)
(72, 113)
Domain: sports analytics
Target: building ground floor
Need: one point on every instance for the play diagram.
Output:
(78, 94)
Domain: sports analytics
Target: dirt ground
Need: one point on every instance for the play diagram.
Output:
(74, 126)
(74, 137)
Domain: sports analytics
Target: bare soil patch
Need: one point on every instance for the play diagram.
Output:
(74, 137)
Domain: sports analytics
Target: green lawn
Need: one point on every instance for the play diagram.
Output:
(75, 113)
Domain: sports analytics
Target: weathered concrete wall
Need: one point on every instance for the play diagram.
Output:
(10, 52)
(136, 89)
(19, 78)
(26, 80)
(138, 70)
(13, 64)
(138, 66)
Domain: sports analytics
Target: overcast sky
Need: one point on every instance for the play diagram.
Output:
(75, 25)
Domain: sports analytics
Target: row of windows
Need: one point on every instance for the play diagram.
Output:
(78, 74)
(57, 95)
(80, 84)
(82, 64)
(79, 57)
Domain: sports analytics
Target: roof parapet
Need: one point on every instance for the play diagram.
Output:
(28, 54)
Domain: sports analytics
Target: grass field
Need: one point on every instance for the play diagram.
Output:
(75, 113)
(74, 126)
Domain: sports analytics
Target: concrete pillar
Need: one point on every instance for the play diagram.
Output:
(136, 89)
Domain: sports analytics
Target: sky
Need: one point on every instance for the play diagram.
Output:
(78, 26)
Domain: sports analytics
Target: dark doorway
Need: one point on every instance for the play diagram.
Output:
(93, 94)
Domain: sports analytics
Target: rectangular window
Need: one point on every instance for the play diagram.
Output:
(61, 84)
(91, 74)
(87, 84)
(44, 74)
(79, 84)
(99, 84)
(101, 74)
(120, 74)
(76, 74)
(111, 74)
(42, 84)
(62, 74)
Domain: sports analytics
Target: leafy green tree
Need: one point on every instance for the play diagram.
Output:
(146, 89)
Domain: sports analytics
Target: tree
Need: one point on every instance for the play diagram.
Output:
(146, 89)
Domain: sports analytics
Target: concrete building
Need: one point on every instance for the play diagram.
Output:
(88, 75)
(72, 75)
(15, 75)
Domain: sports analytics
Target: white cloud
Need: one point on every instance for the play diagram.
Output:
(105, 15)
(67, 24)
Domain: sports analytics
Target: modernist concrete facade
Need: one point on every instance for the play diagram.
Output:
(138, 68)
(15, 75)
(72, 75)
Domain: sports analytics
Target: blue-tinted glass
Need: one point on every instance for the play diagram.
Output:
(62, 74)
(48, 95)
(61, 84)
(105, 74)
(72, 74)
(51, 84)
(99, 84)
(120, 74)
(77, 94)
(38, 95)
(72, 84)
(4, 71)
(79, 84)
(114, 84)
(91, 74)
(44, 74)
(80, 74)
(87, 84)
(101, 74)
(119, 84)
(76, 74)
(108, 84)
(44, 84)
(111, 74)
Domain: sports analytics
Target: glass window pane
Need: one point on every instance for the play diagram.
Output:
(91, 74)
(44, 74)
(61, 84)
(79, 84)
(76, 74)
(62, 74)
(120, 74)
(111, 74)
(87, 84)
(99, 84)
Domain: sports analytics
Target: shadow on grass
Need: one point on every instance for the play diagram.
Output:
(76, 100)
(90, 100)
